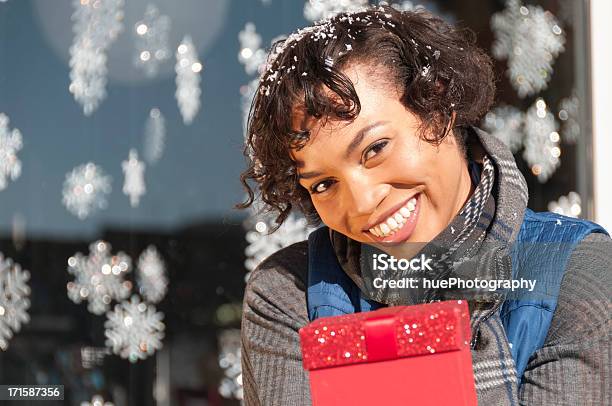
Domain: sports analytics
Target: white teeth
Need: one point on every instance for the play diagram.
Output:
(395, 221)
(405, 212)
(384, 228)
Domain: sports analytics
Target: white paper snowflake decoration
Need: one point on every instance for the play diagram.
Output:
(251, 55)
(11, 142)
(230, 359)
(530, 38)
(134, 329)
(506, 123)
(188, 69)
(98, 21)
(570, 119)
(87, 75)
(97, 24)
(315, 10)
(99, 278)
(541, 141)
(14, 299)
(134, 183)
(151, 35)
(570, 205)
(85, 190)
(261, 244)
(97, 400)
(155, 136)
(151, 275)
(247, 94)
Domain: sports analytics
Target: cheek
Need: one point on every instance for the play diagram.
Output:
(411, 163)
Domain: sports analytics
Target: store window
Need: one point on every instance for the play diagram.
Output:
(122, 260)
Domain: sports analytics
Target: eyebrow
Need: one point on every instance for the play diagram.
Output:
(360, 136)
(355, 142)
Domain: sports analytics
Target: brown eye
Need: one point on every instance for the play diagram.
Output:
(320, 187)
(375, 149)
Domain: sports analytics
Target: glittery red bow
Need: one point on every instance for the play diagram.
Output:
(388, 333)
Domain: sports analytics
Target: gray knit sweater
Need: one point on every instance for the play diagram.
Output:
(572, 368)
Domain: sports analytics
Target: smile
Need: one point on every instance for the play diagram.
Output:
(400, 222)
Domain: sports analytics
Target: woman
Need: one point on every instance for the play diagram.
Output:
(365, 122)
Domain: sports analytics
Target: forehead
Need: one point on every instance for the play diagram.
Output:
(379, 101)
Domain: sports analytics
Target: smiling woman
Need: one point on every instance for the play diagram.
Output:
(366, 123)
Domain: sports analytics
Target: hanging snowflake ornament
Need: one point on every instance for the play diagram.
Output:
(231, 386)
(151, 34)
(96, 26)
(506, 123)
(14, 299)
(569, 205)
(151, 275)
(11, 142)
(251, 55)
(262, 243)
(134, 329)
(541, 141)
(155, 136)
(569, 115)
(97, 400)
(85, 190)
(247, 94)
(188, 69)
(99, 277)
(134, 183)
(530, 38)
(315, 10)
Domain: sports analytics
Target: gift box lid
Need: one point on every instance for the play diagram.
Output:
(387, 333)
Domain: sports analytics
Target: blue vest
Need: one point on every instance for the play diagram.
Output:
(542, 249)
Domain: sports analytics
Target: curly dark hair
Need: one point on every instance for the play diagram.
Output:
(438, 66)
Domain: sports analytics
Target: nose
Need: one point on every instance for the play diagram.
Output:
(365, 194)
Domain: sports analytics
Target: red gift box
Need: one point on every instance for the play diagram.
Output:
(402, 355)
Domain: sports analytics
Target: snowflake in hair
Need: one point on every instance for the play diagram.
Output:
(152, 40)
(315, 10)
(188, 69)
(85, 190)
(541, 141)
(99, 277)
(506, 123)
(10, 143)
(151, 275)
(530, 38)
(134, 329)
(14, 299)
